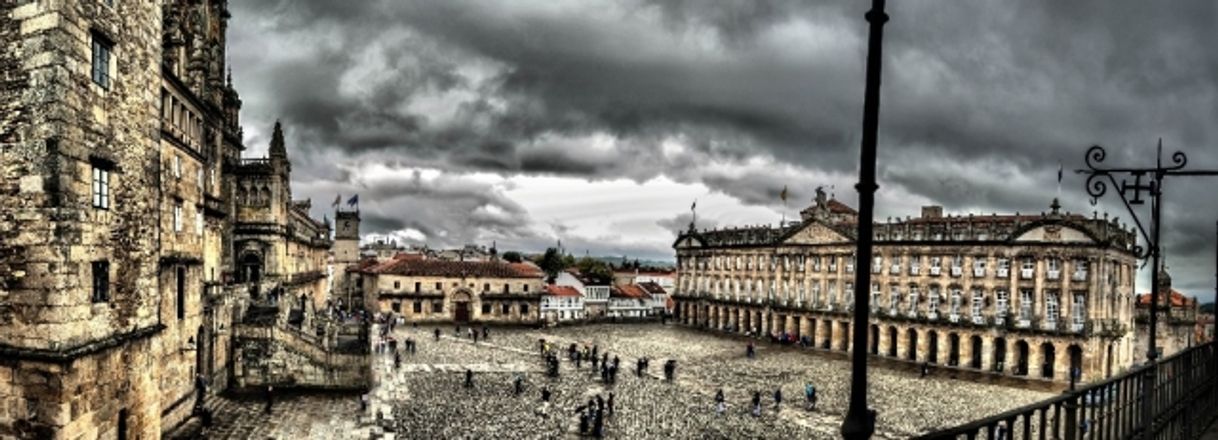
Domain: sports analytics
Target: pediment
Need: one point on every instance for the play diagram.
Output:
(688, 242)
(815, 233)
(1054, 234)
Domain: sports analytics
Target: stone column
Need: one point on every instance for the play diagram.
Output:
(966, 351)
(1035, 358)
(805, 326)
(987, 354)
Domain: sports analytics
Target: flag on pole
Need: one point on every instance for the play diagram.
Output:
(783, 194)
(338, 198)
(695, 205)
(1059, 172)
(354, 200)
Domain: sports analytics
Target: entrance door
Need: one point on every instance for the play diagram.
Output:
(461, 311)
(932, 355)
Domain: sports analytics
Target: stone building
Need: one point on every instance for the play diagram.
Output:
(1175, 329)
(561, 303)
(119, 138)
(274, 238)
(1022, 295)
(429, 290)
(345, 256)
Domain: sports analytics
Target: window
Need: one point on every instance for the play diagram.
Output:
(1025, 307)
(417, 287)
(486, 287)
(878, 264)
(913, 300)
(957, 265)
(181, 279)
(933, 303)
(198, 221)
(101, 187)
(894, 299)
(1053, 268)
(954, 312)
(935, 264)
(978, 301)
(979, 266)
(524, 309)
(1004, 267)
(437, 306)
(101, 61)
(1029, 267)
(177, 216)
(896, 266)
(1080, 270)
(439, 287)
(915, 264)
(1051, 310)
(101, 281)
(1079, 312)
(1001, 303)
(199, 178)
(526, 287)
(397, 285)
(507, 309)
(486, 309)
(418, 306)
(177, 166)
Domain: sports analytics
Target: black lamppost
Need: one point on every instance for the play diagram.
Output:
(1131, 192)
(860, 420)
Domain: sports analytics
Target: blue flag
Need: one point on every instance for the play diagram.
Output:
(354, 200)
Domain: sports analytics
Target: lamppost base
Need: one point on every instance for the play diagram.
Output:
(859, 426)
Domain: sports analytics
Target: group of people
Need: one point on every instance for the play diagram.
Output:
(809, 396)
(592, 415)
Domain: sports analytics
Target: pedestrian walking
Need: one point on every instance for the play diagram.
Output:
(545, 394)
(639, 368)
(750, 350)
(518, 384)
(469, 378)
(270, 398)
(777, 398)
(397, 360)
(609, 404)
(720, 406)
(486, 335)
(756, 403)
(925, 369)
(437, 334)
(474, 334)
(583, 420)
(810, 395)
(363, 403)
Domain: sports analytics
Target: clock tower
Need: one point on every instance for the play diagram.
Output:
(346, 253)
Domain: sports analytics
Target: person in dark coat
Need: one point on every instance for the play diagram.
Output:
(545, 394)
(270, 398)
(397, 360)
(777, 398)
(518, 384)
(925, 369)
(437, 334)
(609, 404)
(469, 378)
(756, 403)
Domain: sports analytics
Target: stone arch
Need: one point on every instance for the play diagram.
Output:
(1021, 357)
(461, 307)
(1076, 360)
(874, 343)
(976, 352)
(1000, 354)
(892, 341)
(932, 344)
(911, 346)
(953, 349)
(1048, 359)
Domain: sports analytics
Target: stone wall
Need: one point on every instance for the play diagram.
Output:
(287, 358)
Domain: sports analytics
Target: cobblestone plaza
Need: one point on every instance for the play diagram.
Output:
(425, 397)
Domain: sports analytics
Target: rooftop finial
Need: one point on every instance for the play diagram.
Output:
(277, 145)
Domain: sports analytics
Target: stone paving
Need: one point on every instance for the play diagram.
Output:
(424, 397)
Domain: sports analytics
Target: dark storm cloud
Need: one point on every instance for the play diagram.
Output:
(981, 101)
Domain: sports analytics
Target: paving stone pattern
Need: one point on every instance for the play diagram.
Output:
(424, 398)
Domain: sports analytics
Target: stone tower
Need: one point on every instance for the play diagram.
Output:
(346, 253)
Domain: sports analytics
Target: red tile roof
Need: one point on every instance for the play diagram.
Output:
(362, 265)
(443, 268)
(629, 291)
(527, 268)
(837, 207)
(653, 288)
(556, 290)
(409, 256)
(1177, 299)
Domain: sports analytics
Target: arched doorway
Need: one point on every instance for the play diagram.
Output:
(912, 348)
(250, 268)
(827, 343)
(1021, 361)
(875, 339)
(892, 341)
(1000, 354)
(976, 352)
(1076, 360)
(461, 308)
(1049, 354)
(932, 352)
(953, 349)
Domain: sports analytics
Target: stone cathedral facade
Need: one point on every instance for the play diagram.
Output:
(133, 236)
(1034, 296)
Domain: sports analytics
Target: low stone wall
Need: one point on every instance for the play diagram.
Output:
(286, 358)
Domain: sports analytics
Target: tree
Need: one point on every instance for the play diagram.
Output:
(551, 263)
(596, 270)
(513, 257)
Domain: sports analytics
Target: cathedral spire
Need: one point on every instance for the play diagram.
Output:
(277, 147)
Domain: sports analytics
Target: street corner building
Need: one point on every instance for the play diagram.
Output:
(134, 238)
(1032, 296)
(422, 289)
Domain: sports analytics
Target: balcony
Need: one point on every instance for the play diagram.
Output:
(1023, 323)
(1053, 274)
(932, 316)
(979, 272)
(934, 270)
(954, 317)
(1077, 327)
(1049, 325)
(1003, 273)
(849, 268)
(1079, 276)
(1026, 273)
(915, 270)
(895, 269)
(957, 270)
(1000, 320)
(978, 319)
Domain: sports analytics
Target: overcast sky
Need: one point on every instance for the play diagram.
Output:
(598, 122)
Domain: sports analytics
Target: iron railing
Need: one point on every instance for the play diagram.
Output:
(1185, 402)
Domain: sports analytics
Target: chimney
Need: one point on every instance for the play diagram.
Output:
(933, 211)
